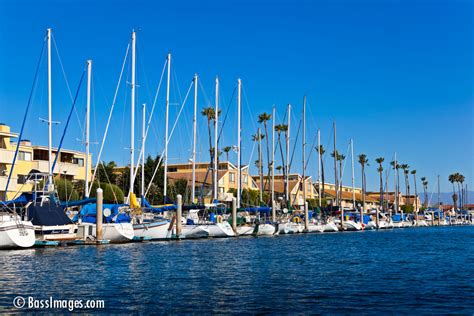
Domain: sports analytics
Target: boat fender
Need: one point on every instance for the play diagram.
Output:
(219, 219)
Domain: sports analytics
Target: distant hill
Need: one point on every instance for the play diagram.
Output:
(446, 197)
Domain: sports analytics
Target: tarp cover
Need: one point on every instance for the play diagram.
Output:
(159, 209)
(49, 214)
(88, 214)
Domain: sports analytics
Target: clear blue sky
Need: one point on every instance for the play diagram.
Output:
(395, 75)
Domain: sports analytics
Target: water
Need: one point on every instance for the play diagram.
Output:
(422, 270)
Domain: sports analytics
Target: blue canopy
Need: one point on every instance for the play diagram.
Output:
(79, 202)
(88, 214)
(259, 209)
(159, 209)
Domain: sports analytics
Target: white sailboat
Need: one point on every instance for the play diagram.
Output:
(15, 233)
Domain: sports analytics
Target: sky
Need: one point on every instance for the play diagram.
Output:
(395, 76)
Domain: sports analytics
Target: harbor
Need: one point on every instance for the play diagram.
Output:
(331, 273)
(240, 158)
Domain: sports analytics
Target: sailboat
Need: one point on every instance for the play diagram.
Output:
(14, 231)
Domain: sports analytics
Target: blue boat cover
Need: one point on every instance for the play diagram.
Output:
(88, 214)
(49, 214)
(259, 209)
(159, 209)
(79, 202)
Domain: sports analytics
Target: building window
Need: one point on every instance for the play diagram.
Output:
(24, 155)
(232, 177)
(246, 178)
(21, 179)
(78, 161)
(172, 169)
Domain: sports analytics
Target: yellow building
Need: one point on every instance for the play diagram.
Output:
(295, 187)
(346, 195)
(34, 159)
(226, 176)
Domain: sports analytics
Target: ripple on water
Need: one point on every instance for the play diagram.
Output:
(426, 270)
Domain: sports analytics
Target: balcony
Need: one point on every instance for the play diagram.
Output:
(60, 168)
(12, 187)
(6, 156)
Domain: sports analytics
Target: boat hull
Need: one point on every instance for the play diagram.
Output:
(265, 230)
(351, 226)
(113, 232)
(220, 230)
(245, 230)
(156, 230)
(330, 227)
(315, 228)
(194, 231)
(16, 234)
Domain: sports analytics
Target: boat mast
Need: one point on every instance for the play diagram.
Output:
(239, 131)
(305, 206)
(132, 116)
(216, 132)
(336, 180)
(166, 127)
(50, 119)
(353, 178)
(319, 167)
(260, 158)
(143, 152)
(193, 185)
(273, 165)
(88, 108)
(287, 166)
(439, 201)
(396, 184)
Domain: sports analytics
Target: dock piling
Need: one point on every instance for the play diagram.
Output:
(234, 214)
(98, 225)
(179, 212)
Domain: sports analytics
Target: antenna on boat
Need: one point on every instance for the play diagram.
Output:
(88, 107)
(132, 116)
(166, 127)
(193, 190)
(239, 131)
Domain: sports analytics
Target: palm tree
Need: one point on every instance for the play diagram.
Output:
(321, 152)
(413, 172)
(210, 113)
(423, 179)
(425, 188)
(363, 162)
(380, 160)
(452, 179)
(461, 181)
(282, 128)
(406, 172)
(262, 119)
(226, 149)
(340, 158)
(257, 138)
(279, 168)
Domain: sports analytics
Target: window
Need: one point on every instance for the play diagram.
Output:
(232, 177)
(172, 169)
(78, 161)
(246, 178)
(21, 179)
(24, 155)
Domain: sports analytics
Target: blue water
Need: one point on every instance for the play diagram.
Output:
(422, 270)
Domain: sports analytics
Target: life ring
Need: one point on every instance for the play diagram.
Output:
(219, 219)
(296, 219)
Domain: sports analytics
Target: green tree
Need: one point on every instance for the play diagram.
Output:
(380, 161)
(363, 161)
(226, 149)
(66, 190)
(262, 119)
